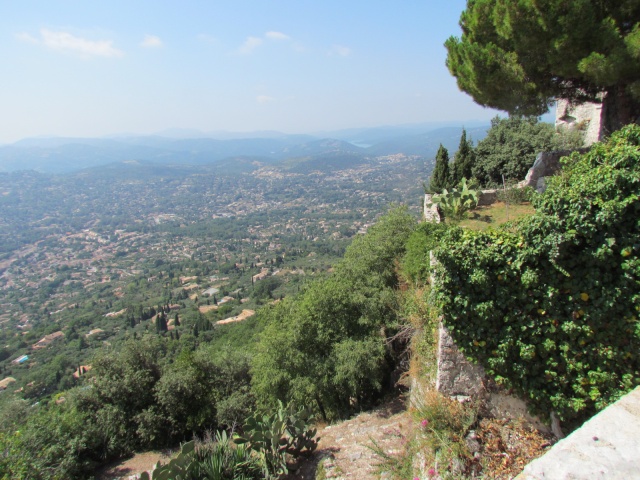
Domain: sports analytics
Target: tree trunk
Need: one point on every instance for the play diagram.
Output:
(321, 408)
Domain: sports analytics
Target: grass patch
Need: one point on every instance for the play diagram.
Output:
(423, 318)
(481, 218)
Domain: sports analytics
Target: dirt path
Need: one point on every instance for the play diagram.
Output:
(344, 447)
(131, 467)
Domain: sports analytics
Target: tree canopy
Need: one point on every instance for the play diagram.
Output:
(520, 56)
(327, 348)
(510, 148)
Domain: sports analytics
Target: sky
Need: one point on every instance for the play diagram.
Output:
(94, 68)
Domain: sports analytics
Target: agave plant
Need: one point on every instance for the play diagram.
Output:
(221, 460)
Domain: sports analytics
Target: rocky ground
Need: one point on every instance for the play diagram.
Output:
(132, 467)
(346, 449)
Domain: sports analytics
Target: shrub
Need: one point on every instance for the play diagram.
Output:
(513, 195)
(549, 306)
(416, 264)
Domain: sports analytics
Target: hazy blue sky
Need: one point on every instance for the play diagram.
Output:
(90, 68)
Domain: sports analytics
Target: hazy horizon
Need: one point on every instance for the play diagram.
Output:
(95, 70)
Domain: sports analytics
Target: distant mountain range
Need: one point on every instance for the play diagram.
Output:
(180, 147)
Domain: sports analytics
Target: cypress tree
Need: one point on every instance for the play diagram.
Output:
(463, 160)
(440, 176)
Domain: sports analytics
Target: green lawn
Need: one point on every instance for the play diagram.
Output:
(481, 218)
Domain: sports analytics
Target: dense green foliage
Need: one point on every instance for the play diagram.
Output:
(141, 396)
(510, 148)
(440, 178)
(58, 443)
(549, 306)
(416, 263)
(520, 56)
(327, 348)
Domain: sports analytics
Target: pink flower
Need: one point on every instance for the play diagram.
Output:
(424, 423)
(432, 472)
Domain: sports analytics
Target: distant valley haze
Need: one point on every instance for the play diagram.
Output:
(190, 147)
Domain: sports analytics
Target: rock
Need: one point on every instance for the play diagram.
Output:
(487, 197)
(456, 375)
(473, 445)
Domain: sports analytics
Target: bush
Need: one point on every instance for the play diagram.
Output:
(549, 306)
(416, 264)
(514, 195)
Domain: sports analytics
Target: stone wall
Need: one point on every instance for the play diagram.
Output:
(430, 211)
(456, 376)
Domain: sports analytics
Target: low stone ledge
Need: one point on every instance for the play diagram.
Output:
(606, 447)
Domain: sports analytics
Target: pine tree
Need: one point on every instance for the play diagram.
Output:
(440, 176)
(463, 160)
(521, 56)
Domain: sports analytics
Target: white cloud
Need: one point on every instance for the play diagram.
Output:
(151, 41)
(264, 99)
(25, 37)
(250, 44)
(66, 42)
(277, 36)
(340, 50)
